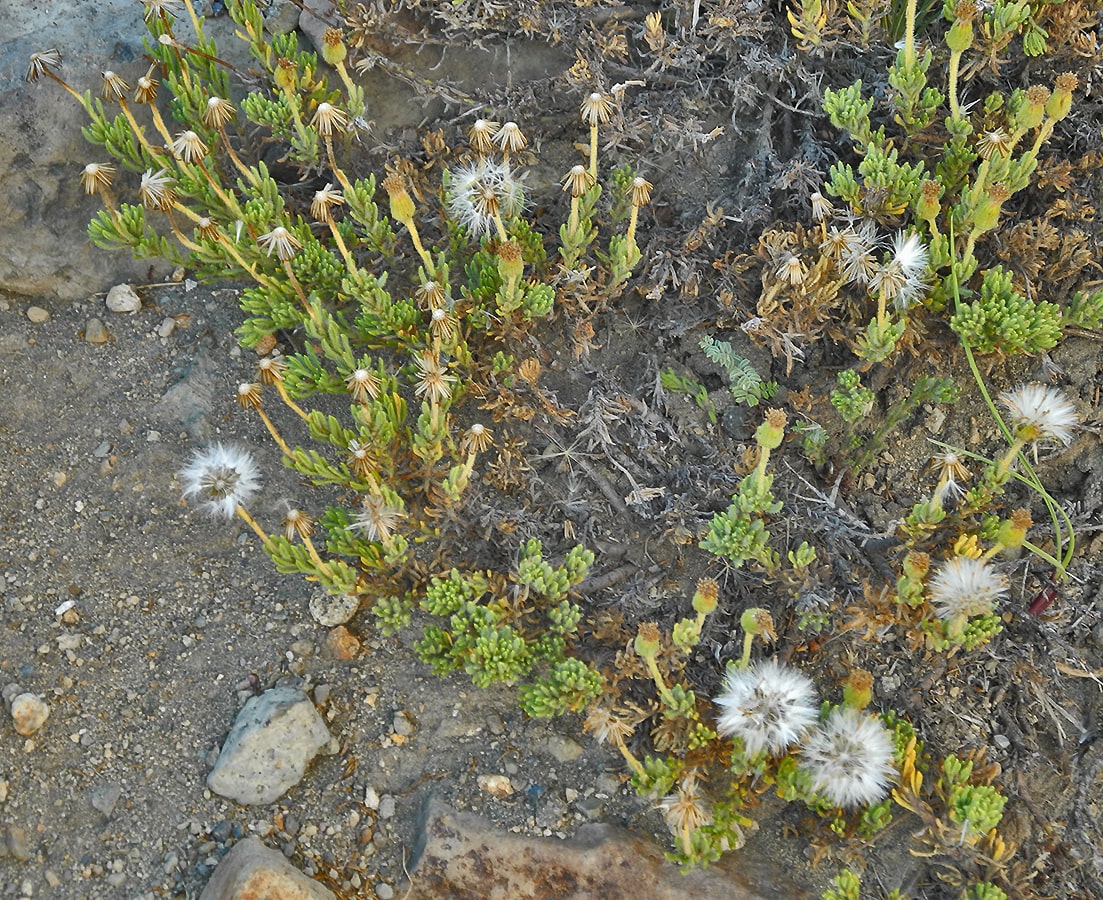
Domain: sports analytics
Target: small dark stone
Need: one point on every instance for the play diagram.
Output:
(222, 831)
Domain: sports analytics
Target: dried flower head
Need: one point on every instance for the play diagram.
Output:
(430, 294)
(596, 108)
(767, 705)
(443, 324)
(96, 177)
(156, 190)
(271, 369)
(821, 207)
(249, 394)
(363, 383)
(996, 142)
(328, 119)
(432, 382)
(280, 241)
(481, 135)
(324, 201)
(850, 758)
(606, 725)
(685, 810)
(189, 147)
(114, 87)
(1038, 412)
(964, 587)
(42, 63)
(221, 479)
(145, 89)
(362, 460)
(377, 519)
(477, 439)
(510, 139)
(639, 191)
(297, 524)
(578, 181)
(791, 269)
(217, 112)
(160, 8)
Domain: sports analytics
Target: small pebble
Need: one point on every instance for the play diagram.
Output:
(167, 327)
(331, 610)
(29, 713)
(386, 806)
(384, 891)
(122, 299)
(402, 724)
(1001, 740)
(496, 785)
(95, 332)
(37, 314)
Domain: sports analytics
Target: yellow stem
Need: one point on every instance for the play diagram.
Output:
(318, 561)
(272, 430)
(337, 171)
(593, 150)
(287, 400)
(631, 233)
(137, 129)
(349, 261)
(159, 124)
(252, 523)
(634, 763)
(951, 87)
(180, 236)
(241, 167)
(421, 251)
(80, 99)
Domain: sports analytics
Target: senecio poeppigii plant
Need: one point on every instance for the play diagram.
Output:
(418, 302)
(412, 304)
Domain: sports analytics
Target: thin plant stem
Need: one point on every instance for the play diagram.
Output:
(252, 523)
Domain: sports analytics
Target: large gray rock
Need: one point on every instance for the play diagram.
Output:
(250, 871)
(44, 248)
(274, 738)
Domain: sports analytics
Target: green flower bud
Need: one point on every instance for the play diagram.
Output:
(1060, 102)
(771, 432)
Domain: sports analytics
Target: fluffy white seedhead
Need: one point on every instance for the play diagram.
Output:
(966, 587)
(909, 253)
(1037, 412)
(850, 758)
(767, 705)
(221, 479)
(467, 190)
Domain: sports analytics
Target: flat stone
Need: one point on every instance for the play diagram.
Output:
(273, 739)
(342, 644)
(252, 871)
(333, 609)
(38, 315)
(95, 332)
(462, 855)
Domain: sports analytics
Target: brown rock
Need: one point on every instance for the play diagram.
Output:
(464, 857)
(250, 871)
(342, 644)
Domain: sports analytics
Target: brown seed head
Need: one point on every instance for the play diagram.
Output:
(145, 90)
(189, 147)
(207, 229)
(430, 294)
(966, 11)
(42, 62)
(114, 87)
(249, 394)
(596, 108)
(329, 120)
(477, 439)
(96, 177)
(324, 201)
(481, 135)
(156, 190)
(510, 139)
(297, 524)
(363, 383)
(640, 191)
(272, 369)
(217, 113)
(994, 143)
(578, 181)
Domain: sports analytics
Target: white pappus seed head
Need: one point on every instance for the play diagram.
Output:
(474, 190)
(966, 587)
(767, 705)
(221, 479)
(850, 758)
(1037, 411)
